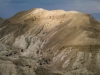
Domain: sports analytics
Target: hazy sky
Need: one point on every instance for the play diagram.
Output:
(9, 7)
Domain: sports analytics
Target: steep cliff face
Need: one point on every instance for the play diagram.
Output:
(57, 42)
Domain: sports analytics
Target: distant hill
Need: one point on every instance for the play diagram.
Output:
(1, 19)
(96, 15)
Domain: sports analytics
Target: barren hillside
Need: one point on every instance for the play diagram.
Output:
(50, 42)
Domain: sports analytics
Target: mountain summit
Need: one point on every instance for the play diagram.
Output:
(50, 42)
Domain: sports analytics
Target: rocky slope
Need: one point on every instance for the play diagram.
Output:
(57, 42)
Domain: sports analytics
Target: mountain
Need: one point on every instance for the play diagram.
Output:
(50, 42)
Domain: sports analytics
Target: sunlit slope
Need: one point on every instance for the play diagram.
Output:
(64, 42)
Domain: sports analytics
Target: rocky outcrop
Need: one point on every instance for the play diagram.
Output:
(57, 42)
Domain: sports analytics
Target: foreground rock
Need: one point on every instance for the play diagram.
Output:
(42, 42)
